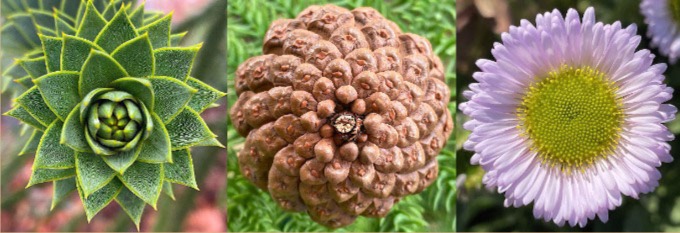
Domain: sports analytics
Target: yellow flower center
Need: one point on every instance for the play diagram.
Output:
(572, 117)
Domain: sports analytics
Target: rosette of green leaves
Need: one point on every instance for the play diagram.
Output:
(114, 111)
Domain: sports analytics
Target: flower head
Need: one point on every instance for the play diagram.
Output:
(663, 20)
(569, 116)
(113, 109)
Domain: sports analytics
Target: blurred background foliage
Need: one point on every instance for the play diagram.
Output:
(205, 210)
(479, 25)
(250, 209)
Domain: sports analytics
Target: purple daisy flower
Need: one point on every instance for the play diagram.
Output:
(663, 18)
(569, 117)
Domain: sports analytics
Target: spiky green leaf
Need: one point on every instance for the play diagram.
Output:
(14, 39)
(34, 104)
(159, 32)
(188, 129)
(167, 189)
(52, 49)
(116, 32)
(63, 27)
(99, 199)
(14, 71)
(93, 173)
(170, 96)
(35, 67)
(61, 189)
(137, 16)
(136, 56)
(181, 171)
(175, 62)
(150, 17)
(176, 39)
(32, 143)
(145, 180)
(204, 97)
(46, 175)
(60, 91)
(131, 204)
(92, 23)
(99, 71)
(156, 148)
(110, 10)
(26, 82)
(210, 142)
(51, 154)
(20, 113)
(121, 161)
(75, 51)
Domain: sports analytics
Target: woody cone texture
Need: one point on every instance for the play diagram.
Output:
(344, 114)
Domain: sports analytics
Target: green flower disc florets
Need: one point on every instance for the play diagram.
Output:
(572, 117)
(113, 109)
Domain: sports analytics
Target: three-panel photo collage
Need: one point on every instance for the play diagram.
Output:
(339, 115)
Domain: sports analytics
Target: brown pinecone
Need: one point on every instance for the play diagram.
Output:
(344, 114)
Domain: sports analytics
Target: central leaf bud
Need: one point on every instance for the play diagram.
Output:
(115, 121)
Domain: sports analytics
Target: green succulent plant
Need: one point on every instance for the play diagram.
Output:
(113, 109)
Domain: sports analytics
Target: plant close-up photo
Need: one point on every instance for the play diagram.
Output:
(105, 91)
(567, 116)
(341, 116)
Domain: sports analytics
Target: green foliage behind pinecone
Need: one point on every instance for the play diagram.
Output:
(113, 109)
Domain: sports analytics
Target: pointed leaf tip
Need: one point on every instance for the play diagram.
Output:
(116, 32)
(131, 204)
(136, 56)
(188, 129)
(100, 199)
(181, 171)
(175, 61)
(92, 172)
(145, 181)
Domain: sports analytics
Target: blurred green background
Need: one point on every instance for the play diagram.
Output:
(479, 26)
(205, 210)
(250, 209)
